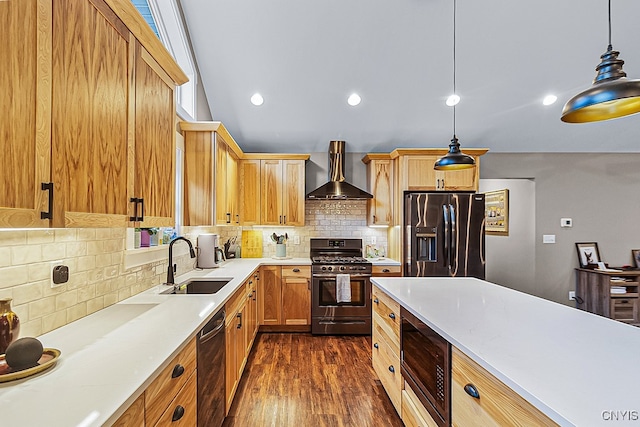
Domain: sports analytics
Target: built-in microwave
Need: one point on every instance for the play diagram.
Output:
(426, 366)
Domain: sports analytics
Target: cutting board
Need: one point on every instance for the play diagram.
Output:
(251, 244)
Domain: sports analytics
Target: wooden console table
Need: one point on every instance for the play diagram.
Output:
(593, 293)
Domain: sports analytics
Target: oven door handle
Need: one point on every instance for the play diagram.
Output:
(322, 276)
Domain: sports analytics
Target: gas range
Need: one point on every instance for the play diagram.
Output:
(338, 256)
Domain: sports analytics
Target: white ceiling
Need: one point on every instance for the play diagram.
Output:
(306, 56)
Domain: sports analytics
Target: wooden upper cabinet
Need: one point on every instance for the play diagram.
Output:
(155, 141)
(380, 179)
(90, 128)
(211, 174)
(25, 130)
(79, 101)
(282, 195)
(249, 178)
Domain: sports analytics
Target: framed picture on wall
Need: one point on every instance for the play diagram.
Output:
(588, 254)
(496, 212)
(635, 253)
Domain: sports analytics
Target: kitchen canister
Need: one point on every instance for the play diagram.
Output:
(9, 324)
(281, 250)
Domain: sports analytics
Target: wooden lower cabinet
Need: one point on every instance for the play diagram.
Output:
(284, 298)
(175, 386)
(183, 410)
(498, 405)
(133, 416)
(386, 271)
(413, 413)
(235, 343)
(385, 341)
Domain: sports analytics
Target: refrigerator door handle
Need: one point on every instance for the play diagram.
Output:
(446, 240)
(454, 238)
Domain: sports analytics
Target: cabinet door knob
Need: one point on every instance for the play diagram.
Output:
(385, 270)
(375, 345)
(177, 371)
(392, 369)
(296, 270)
(375, 300)
(472, 391)
(177, 413)
(392, 315)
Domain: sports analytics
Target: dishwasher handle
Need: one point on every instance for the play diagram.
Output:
(213, 328)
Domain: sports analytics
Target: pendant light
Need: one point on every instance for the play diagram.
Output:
(454, 159)
(611, 96)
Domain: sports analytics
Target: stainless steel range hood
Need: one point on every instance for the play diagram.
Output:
(337, 187)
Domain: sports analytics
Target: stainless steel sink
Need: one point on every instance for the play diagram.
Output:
(198, 286)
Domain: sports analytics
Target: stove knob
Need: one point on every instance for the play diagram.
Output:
(330, 268)
(324, 268)
(343, 268)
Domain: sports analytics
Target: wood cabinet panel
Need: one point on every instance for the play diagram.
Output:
(386, 271)
(25, 134)
(293, 188)
(250, 200)
(296, 301)
(271, 193)
(133, 416)
(413, 413)
(154, 141)
(236, 342)
(90, 100)
(270, 296)
(379, 209)
(165, 387)
(199, 178)
(497, 405)
(184, 407)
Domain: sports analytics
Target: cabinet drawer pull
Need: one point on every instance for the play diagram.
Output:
(228, 217)
(472, 391)
(375, 345)
(375, 300)
(177, 371)
(296, 270)
(177, 413)
(47, 186)
(392, 369)
(239, 316)
(386, 270)
(391, 315)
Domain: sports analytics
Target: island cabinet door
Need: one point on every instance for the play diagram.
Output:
(494, 405)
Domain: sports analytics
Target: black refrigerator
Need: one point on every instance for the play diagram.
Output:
(444, 234)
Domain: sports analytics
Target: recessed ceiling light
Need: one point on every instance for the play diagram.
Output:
(354, 99)
(257, 99)
(549, 99)
(453, 100)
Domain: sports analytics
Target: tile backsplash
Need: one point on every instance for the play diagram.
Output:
(98, 276)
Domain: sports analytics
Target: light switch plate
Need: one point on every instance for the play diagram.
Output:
(296, 240)
(549, 238)
(566, 222)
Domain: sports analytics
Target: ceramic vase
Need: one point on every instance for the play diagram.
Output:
(281, 250)
(9, 324)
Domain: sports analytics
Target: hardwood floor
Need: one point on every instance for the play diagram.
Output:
(308, 380)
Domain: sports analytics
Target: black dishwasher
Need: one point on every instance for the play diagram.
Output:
(211, 364)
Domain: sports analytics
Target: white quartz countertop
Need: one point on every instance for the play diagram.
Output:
(110, 357)
(383, 261)
(578, 368)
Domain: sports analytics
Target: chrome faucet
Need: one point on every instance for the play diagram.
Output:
(172, 267)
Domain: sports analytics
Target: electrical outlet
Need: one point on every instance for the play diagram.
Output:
(373, 240)
(59, 273)
(296, 240)
(572, 295)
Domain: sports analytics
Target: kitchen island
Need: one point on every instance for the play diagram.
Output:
(110, 357)
(577, 368)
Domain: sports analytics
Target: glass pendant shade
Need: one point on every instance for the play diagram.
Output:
(611, 96)
(454, 159)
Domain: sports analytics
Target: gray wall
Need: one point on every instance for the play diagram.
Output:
(511, 259)
(600, 192)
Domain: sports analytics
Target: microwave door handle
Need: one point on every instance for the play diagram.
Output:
(445, 216)
(454, 238)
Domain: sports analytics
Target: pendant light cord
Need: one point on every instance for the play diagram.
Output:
(454, 65)
(610, 47)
